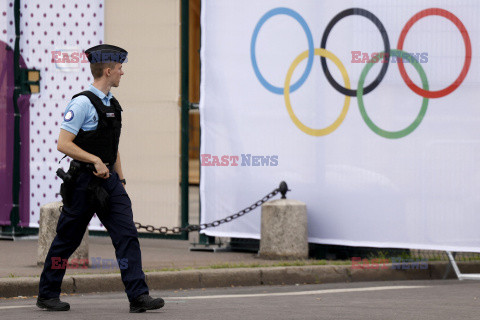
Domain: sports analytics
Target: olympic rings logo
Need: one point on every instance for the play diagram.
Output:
(324, 54)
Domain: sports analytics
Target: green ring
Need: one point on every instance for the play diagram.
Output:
(421, 114)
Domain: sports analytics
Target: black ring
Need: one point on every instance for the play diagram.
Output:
(370, 16)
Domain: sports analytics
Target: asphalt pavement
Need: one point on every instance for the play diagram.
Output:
(170, 265)
(435, 300)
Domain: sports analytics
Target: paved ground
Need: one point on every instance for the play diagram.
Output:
(156, 253)
(436, 300)
(19, 258)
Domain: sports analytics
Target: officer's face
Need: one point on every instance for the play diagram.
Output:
(116, 74)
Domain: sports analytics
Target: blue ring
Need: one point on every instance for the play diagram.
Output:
(65, 117)
(298, 17)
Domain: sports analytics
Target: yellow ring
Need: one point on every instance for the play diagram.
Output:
(286, 92)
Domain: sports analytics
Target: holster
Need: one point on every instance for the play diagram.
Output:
(69, 178)
(96, 196)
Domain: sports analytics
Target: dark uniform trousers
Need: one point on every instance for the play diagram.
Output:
(119, 223)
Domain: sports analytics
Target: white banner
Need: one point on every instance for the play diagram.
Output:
(392, 164)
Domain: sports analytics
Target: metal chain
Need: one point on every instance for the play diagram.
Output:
(193, 227)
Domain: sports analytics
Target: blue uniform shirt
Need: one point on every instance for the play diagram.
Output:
(81, 114)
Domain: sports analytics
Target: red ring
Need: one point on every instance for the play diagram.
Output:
(468, 52)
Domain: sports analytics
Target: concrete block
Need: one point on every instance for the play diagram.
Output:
(27, 286)
(468, 267)
(173, 280)
(68, 285)
(305, 274)
(230, 277)
(98, 283)
(14, 287)
(49, 215)
(437, 270)
(284, 233)
(389, 274)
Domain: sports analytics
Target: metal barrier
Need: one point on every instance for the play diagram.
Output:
(282, 188)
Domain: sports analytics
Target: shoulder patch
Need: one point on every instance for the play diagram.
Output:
(69, 116)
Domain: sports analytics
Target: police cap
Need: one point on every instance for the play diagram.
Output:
(106, 53)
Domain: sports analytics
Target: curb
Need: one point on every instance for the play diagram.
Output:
(208, 278)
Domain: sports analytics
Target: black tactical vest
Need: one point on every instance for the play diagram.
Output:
(103, 141)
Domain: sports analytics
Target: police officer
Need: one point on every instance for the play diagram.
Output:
(90, 134)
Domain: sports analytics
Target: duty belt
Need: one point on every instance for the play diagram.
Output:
(91, 166)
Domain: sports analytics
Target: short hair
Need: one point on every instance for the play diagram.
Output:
(97, 68)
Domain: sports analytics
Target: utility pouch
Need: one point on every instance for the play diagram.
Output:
(98, 197)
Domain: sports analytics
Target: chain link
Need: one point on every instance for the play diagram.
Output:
(216, 223)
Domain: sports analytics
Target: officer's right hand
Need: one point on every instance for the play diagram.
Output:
(101, 170)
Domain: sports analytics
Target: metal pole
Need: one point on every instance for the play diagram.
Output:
(461, 276)
(14, 214)
(184, 116)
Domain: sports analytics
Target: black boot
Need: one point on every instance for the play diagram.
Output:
(53, 304)
(144, 303)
